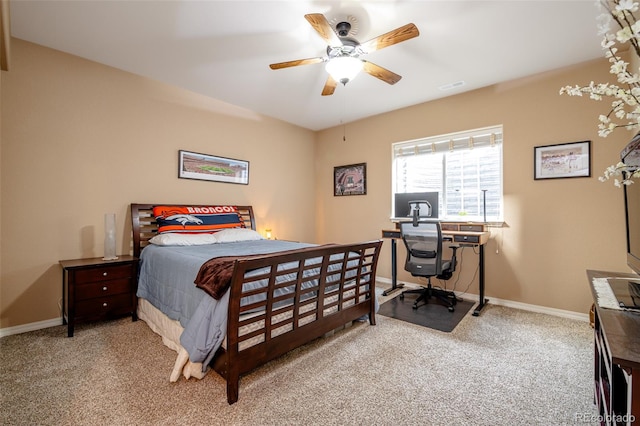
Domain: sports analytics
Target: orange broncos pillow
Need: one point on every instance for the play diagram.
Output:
(196, 219)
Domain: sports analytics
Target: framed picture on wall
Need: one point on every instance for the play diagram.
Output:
(193, 165)
(566, 160)
(350, 179)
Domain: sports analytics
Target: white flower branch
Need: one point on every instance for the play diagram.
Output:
(628, 174)
(625, 97)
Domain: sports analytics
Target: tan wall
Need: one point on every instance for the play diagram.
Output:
(555, 229)
(80, 139)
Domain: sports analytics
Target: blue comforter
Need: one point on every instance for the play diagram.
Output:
(167, 275)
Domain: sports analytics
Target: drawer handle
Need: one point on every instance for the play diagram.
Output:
(104, 288)
(104, 304)
(104, 274)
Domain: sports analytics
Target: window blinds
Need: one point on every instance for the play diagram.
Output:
(488, 136)
(465, 168)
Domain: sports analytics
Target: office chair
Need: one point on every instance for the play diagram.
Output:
(423, 241)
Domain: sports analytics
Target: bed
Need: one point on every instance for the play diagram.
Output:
(255, 299)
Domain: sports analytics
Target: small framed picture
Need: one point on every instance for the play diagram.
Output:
(566, 160)
(350, 179)
(193, 165)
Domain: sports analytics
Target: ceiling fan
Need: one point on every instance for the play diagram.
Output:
(343, 52)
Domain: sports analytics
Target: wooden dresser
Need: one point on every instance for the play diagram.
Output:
(616, 361)
(95, 289)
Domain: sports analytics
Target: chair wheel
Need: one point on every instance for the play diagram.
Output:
(450, 308)
(401, 296)
(414, 307)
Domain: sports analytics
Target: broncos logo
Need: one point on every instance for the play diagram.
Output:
(184, 219)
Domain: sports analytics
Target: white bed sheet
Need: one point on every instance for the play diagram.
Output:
(170, 331)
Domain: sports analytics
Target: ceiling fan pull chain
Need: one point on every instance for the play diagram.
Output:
(344, 125)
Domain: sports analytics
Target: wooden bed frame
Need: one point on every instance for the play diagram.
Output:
(301, 315)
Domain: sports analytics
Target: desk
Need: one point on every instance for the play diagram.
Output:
(464, 234)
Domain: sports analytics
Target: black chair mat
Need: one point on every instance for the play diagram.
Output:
(432, 315)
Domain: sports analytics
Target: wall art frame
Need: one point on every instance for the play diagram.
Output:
(195, 165)
(564, 160)
(350, 179)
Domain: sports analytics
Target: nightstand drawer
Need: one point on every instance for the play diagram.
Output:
(102, 289)
(100, 307)
(103, 273)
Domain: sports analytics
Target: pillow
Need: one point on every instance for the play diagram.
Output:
(176, 239)
(196, 219)
(237, 234)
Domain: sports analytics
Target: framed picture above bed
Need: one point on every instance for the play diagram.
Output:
(194, 165)
(350, 179)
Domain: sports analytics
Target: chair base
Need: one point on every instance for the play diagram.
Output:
(446, 298)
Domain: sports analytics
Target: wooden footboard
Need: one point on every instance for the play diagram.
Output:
(308, 294)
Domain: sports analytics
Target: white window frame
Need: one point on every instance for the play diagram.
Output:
(479, 139)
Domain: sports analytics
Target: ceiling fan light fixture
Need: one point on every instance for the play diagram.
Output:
(343, 50)
(344, 68)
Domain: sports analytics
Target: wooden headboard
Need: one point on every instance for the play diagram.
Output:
(144, 226)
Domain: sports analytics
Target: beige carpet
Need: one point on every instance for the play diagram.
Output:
(505, 367)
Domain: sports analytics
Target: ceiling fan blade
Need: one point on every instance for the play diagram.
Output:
(322, 27)
(403, 33)
(378, 72)
(295, 63)
(329, 87)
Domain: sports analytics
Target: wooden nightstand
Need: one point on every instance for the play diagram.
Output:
(95, 289)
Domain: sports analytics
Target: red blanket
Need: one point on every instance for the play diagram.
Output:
(214, 276)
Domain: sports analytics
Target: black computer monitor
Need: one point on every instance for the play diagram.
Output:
(402, 208)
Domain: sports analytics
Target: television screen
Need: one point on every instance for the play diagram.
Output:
(632, 211)
(631, 156)
(402, 208)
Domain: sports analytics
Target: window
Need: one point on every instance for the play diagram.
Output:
(465, 168)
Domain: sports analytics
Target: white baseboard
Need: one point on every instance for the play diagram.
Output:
(8, 331)
(516, 305)
(467, 296)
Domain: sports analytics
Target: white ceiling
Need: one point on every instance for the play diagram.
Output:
(223, 49)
